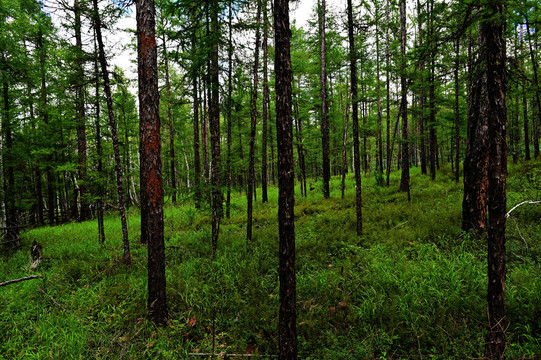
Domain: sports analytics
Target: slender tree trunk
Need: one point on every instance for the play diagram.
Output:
(457, 112)
(264, 176)
(229, 105)
(214, 107)
(196, 156)
(204, 130)
(344, 147)
(300, 148)
(378, 90)
(251, 165)
(535, 123)
(324, 106)
(12, 233)
(99, 153)
(405, 178)
(150, 153)
(421, 95)
(113, 126)
(287, 332)
(81, 117)
(525, 112)
(171, 128)
(355, 120)
(388, 86)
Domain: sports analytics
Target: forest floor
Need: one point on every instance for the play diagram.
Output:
(412, 286)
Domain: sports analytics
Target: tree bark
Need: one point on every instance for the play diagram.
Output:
(99, 153)
(287, 332)
(405, 177)
(355, 120)
(324, 106)
(421, 95)
(229, 110)
(12, 232)
(81, 116)
(264, 176)
(113, 127)
(171, 128)
(196, 156)
(251, 160)
(494, 84)
(457, 112)
(214, 107)
(150, 154)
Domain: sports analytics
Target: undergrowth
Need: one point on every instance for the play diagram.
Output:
(412, 286)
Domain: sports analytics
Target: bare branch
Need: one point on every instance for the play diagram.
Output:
(522, 203)
(21, 279)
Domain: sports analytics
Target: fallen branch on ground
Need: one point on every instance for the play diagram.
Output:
(52, 299)
(21, 279)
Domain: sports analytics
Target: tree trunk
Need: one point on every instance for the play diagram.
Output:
(81, 117)
(324, 106)
(355, 120)
(378, 90)
(287, 332)
(214, 107)
(99, 153)
(537, 92)
(113, 126)
(405, 177)
(251, 160)
(150, 153)
(457, 112)
(493, 83)
(171, 128)
(12, 233)
(264, 176)
(196, 156)
(388, 86)
(344, 147)
(421, 95)
(229, 105)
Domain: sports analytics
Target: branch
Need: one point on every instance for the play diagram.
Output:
(224, 355)
(21, 279)
(522, 203)
(52, 299)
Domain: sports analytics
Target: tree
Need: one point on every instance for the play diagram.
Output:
(81, 116)
(405, 178)
(493, 83)
(287, 332)
(324, 106)
(170, 117)
(113, 127)
(214, 110)
(355, 120)
(150, 153)
(251, 160)
(264, 195)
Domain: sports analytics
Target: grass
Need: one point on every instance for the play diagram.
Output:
(412, 286)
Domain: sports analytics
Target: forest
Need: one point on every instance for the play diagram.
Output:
(216, 180)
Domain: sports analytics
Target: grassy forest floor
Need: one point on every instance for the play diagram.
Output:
(413, 286)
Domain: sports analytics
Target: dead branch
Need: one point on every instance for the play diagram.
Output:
(522, 203)
(21, 279)
(225, 356)
(52, 299)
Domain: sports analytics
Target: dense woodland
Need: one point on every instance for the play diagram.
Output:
(376, 138)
